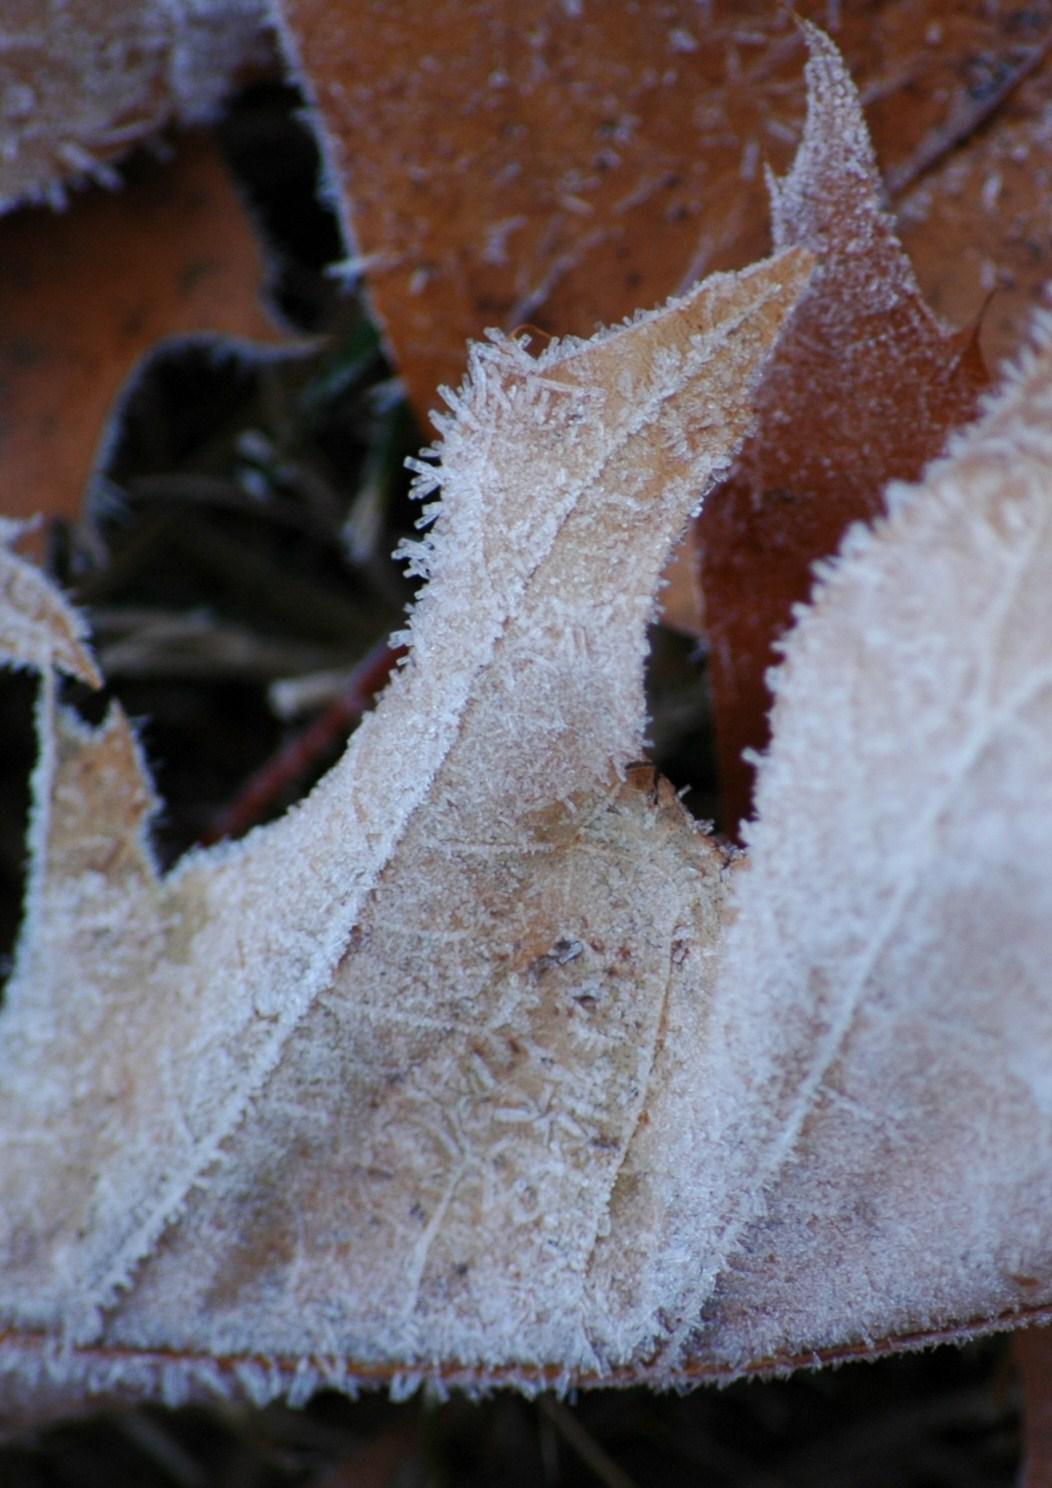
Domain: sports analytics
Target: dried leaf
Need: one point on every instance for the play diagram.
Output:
(863, 389)
(482, 1065)
(932, 74)
(560, 164)
(84, 297)
(977, 227)
(37, 627)
(832, 1121)
(360, 1088)
(81, 81)
(884, 988)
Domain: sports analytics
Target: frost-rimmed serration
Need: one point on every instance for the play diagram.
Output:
(84, 81)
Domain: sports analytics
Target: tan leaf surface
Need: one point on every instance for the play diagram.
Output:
(358, 1093)
(37, 627)
(81, 81)
(85, 296)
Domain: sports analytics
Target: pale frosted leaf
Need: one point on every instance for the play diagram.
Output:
(881, 1042)
(369, 1079)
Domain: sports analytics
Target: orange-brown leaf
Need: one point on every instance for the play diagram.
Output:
(978, 229)
(863, 388)
(85, 296)
(1032, 1349)
(514, 160)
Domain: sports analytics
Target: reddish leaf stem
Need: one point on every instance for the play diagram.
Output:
(301, 754)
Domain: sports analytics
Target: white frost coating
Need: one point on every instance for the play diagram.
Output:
(882, 1027)
(81, 83)
(835, 138)
(153, 1028)
(825, 201)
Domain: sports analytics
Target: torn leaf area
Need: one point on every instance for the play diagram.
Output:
(358, 1059)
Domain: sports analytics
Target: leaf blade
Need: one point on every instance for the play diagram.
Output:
(896, 914)
(244, 940)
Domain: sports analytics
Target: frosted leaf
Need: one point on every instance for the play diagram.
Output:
(82, 81)
(884, 989)
(366, 1086)
(485, 1064)
(863, 389)
(38, 628)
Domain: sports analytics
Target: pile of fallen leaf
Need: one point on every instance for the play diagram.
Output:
(485, 1064)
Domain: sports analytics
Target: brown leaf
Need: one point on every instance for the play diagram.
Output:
(360, 1088)
(864, 388)
(932, 73)
(85, 296)
(561, 168)
(561, 165)
(81, 81)
(977, 227)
